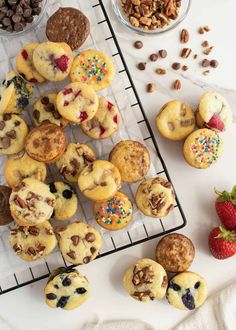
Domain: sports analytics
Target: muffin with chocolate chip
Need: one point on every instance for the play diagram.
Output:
(80, 243)
(175, 252)
(146, 280)
(66, 289)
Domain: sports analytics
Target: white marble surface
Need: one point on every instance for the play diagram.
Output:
(24, 309)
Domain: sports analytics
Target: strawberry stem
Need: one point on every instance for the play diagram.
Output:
(228, 235)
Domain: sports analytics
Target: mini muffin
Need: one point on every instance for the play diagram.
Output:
(80, 243)
(77, 103)
(146, 280)
(94, 68)
(66, 289)
(202, 148)
(214, 112)
(19, 168)
(53, 60)
(25, 66)
(104, 123)
(5, 214)
(45, 110)
(187, 291)
(31, 202)
(115, 213)
(175, 252)
(34, 242)
(46, 143)
(66, 201)
(132, 160)
(155, 197)
(175, 120)
(15, 93)
(13, 132)
(76, 157)
(99, 181)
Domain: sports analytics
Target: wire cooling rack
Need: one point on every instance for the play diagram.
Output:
(135, 126)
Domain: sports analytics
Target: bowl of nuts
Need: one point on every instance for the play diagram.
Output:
(151, 17)
(18, 17)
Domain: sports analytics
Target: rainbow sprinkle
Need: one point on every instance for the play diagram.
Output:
(92, 69)
(205, 148)
(113, 211)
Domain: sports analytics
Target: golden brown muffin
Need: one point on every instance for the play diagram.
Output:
(175, 252)
(132, 160)
(46, 143)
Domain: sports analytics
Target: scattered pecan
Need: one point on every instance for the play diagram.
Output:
(143, 275)
(160, 71)
(184, 36)
(208, 50)
(17, 248)
(20, 202)
(157, 202)
(141, 295)
(186, 52)
(34, 231)
(177, 84)
(151, 87)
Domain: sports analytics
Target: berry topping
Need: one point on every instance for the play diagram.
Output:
(23, 102)
(78, 93)
(33, 80)
(83, 116)
(216, 123)
(24, 54)
(62, 63)
(66, 103)
(197, 285)
(188, 300)
(109, 105)
(51, 296)
(67, 194)
(115, 119)
(81, 290)
(62, 301)
(174, 286)
(102, 130)
(67, 91)
(52, 188)
(66, 281)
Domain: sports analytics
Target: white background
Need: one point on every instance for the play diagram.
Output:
(24, 309)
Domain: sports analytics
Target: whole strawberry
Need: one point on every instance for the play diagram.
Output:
(226, 208)
(222, 242)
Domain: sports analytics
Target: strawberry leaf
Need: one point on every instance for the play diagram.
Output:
(227, 235)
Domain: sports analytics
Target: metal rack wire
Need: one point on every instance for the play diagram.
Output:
(133, 236)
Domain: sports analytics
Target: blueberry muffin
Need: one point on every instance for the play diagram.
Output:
(187, 291)
(175, 120)
(175, 252)
(66, 289)
(80, 243)
(76, 157)
(13, 132)
(66, 201)
(31, 202)
(132, 160)
(146, 280)
(155, 197)
(15, 93)
(99, 181)
(34, 242)
(23, 167)
(214, 112)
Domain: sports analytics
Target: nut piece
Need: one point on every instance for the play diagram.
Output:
(151, 87)
(163, 53)
(201, 30)
(184, 36)
(176, 66)
(205, 63)
(208, 50)
(186, 52)
(177, 84)
(206, 73)
(160, 71)
(142, 66)
(185, 67)
(206, 28)
(138, 44)
(195, 56)
(205, 43)
(214, 63)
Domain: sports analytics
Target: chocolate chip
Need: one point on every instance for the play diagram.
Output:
(67, 194)
(52, 188)
(10, 13)
(36, 115)
(49, 107)
(66, 281)
(176, 66)
(18, 27)
(56, 114)
(27, 12)
(138, 44)
(2, 125)
(37, 10)
(72, 255)
(81, 290)
(2, 3)
(12, 2)
(205, 63)
(9, 28)
(214, 63)
(142, 66)
(29, 19)
(6, 116)
(93, 249)
(6, 141)
(16, 18)
(86, 260)
(90, 237)
(51, 296)
(153, 57)
(75, 239)
(197, 285)
(11, 134)
(6, 21)
(62, 301)
(163, 53)
(44, 100)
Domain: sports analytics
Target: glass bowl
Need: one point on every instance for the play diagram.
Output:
(30, 26)
(123, 18)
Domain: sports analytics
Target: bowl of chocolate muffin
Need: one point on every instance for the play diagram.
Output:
(18, 17)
